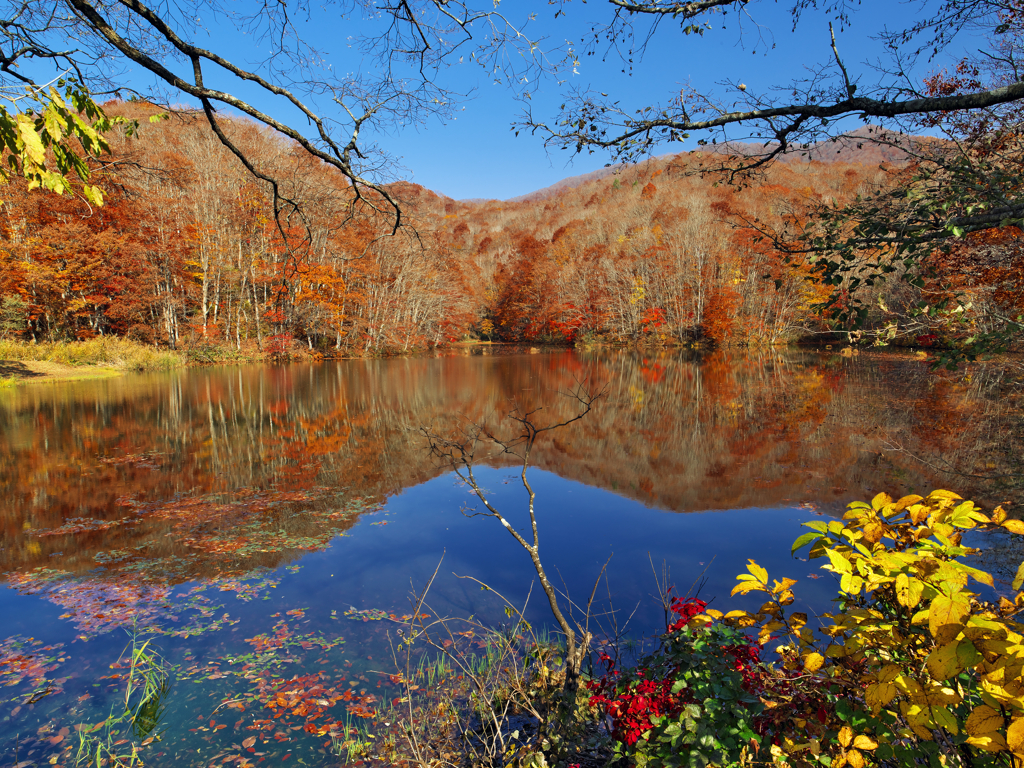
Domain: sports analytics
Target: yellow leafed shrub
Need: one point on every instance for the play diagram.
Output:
(912, 667)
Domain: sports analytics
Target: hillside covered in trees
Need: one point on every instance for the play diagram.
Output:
(187, 250)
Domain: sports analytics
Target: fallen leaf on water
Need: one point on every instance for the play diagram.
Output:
(249, 742)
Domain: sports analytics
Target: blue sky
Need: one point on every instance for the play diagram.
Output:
(477, 155)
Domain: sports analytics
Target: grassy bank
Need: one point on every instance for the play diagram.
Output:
(96, 358)
(12, 372)
(110, 356)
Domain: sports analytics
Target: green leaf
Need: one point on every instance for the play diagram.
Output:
(804, 540)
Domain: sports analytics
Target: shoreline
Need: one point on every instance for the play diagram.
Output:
(21, 362)
(15, 372)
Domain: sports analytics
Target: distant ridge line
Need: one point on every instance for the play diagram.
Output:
(868, 145)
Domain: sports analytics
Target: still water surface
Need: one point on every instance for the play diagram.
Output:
(256, 523)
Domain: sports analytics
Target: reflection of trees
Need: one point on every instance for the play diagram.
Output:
(674, 432)
(964, 429)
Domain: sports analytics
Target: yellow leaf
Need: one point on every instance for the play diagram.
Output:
(909, 686)
(851, 584)
(737, 615)
(998, 515)
(865, 743)
(836, 651)
(781, 586)
(52, 121)
(906, 501)
(940, 494)
(918, 720)
(880, 501)
(990, 742)
(983, 720)
(845, 736)
(946, 617)
(34, 150)
(873, 531)
(888, 673)
(93, 194)
(1018, 580)
(878, 695)
(1015, 736)
(943, 663)
(918, 513)
(839, 563)
(855, 758)
(981, 576)
(1014, 526)
(813, 662)
(759, 573)
(765, 633)
(939, 695)
(748, 586)
(908, 593)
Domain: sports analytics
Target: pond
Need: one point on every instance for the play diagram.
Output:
(263, 528)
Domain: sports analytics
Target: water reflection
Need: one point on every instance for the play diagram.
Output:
(154, 452)
(259, 521)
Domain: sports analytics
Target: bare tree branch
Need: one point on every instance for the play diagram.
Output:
(459, 452)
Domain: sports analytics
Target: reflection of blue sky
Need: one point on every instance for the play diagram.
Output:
(378, 567)
(478, 155)
(580, 528)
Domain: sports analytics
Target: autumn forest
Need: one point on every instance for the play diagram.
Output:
(187, 252)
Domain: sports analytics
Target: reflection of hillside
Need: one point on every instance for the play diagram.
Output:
(760, 432)
(673, 432)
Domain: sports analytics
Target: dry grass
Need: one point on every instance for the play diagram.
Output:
(14, 371)
(104, 351)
